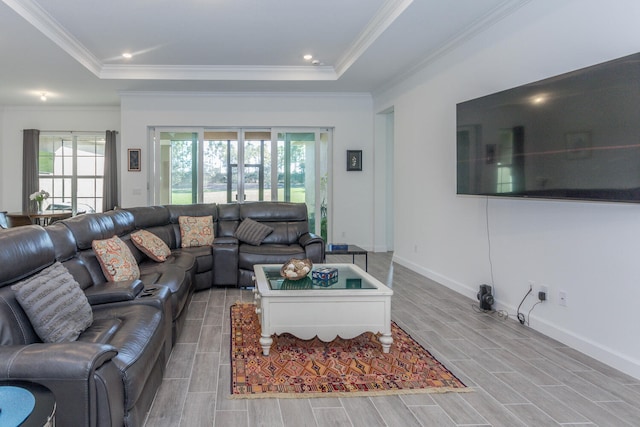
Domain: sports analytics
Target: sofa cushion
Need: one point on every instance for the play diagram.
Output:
(252, 232)
(116, 259)
(151, 245)
(196, 230)
(202, 254)
(55, 304)
(249, 255)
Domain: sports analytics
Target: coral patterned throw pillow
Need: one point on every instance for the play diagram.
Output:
(151, 245)
(116, 259)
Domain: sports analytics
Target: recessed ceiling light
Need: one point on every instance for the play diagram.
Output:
(43, 96)
(127, 55)
(308, 57)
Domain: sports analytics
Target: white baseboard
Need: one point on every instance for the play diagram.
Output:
(621, 362)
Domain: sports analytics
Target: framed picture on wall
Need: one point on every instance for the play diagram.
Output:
(133, 154)
(354, 160)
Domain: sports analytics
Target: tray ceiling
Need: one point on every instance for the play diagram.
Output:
(73, 50)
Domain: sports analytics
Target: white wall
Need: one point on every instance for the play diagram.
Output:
(589, 250)
(350, 115)
(14, 119)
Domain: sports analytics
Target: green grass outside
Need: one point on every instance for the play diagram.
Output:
(184, 198)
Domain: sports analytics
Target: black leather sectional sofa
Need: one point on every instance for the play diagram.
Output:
(110, 374)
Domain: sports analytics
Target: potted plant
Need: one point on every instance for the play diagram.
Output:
(39, 197)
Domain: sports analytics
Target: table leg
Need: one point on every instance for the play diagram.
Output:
(266, 341)
(386, 340)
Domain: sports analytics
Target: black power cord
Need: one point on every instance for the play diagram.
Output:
(521, 318)
(531, 309)
(498, 313)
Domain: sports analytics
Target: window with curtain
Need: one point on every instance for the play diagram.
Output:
(71, 169)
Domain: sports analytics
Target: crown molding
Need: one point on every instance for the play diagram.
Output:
(385, 16)
(224, 72)
(47, 25)
(182, 94)
(66, 108)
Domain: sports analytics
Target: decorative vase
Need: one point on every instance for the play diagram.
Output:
(40, 206)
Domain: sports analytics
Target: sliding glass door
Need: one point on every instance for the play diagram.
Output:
(220, 160)
(256, 170)
(240, 165)
(177, 166)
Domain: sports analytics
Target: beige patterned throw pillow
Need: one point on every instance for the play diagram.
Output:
(196, 230)
(54, 303)
(116, 259)
(151, 245)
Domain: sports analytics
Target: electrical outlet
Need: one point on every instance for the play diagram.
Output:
(562, 298)
(545, 290)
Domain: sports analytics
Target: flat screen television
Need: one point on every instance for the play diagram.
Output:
(573, 136)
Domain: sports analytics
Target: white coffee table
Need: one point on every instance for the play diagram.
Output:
(357, 303)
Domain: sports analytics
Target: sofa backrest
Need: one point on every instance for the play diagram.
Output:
(24, 251)
(228, 219)
(288, 220)
(154, 219)
(203, 209)
(68, 254)
(163, 220)
(84, 229)
(123, 221)
(145, 217)
(89, 227)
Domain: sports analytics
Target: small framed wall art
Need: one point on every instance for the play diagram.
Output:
(354, 160)
(133, 156)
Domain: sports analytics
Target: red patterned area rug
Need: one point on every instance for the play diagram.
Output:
(298, 368)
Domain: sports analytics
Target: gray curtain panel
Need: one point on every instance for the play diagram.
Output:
(110, 196)
(30, 180)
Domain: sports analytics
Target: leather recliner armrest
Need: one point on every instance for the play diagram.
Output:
(84, 381)
(107, 292)
(308, 238)
(313, 246)
(65, 361)
(225, 241)
(225, 261)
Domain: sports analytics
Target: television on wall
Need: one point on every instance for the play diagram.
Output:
(574, 136)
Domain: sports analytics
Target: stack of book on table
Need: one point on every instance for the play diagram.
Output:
(338, 246)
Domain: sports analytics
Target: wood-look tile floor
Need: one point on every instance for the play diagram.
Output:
(518, 376)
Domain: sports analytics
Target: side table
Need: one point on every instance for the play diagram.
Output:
(44, 410)
(352, 250)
